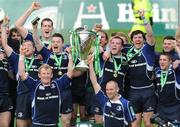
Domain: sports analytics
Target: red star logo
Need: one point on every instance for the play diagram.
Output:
(91, 8)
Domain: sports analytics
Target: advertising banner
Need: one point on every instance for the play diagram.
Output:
(113, 14)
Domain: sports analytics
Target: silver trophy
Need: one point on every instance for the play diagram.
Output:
(83, 42)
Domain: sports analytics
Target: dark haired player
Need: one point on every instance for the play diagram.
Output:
(141, 61)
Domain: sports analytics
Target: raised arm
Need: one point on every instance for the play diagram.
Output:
(92, 74)
(176, 47)
(21, 67)
(149, 36)
(70, 67)
(177, 36)
(8, 50)
(36, 38)
(20, 22)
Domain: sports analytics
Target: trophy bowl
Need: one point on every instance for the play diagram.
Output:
(82, 42)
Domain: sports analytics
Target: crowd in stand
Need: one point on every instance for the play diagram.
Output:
(40, 86)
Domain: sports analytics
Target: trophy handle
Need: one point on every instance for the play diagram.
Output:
(70, 38)
(73, 46)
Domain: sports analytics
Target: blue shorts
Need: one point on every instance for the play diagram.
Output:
(142, 100)
(89, 103)
(78, 99)
(97, 106)
(5, 103)
(43, 126)
(78, 96)
(169, 112)
(23, 106)
(66, 102)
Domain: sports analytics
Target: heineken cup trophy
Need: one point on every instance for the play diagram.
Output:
(83, 42)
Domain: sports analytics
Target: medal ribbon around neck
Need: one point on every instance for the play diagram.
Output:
(130, 53)
(117, 67)
(58, 60)
(163, 79)
(28, 66)
(43, 41)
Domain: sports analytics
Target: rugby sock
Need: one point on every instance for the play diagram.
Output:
(99, 125)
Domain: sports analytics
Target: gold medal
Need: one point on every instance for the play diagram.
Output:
(59, 73)
(117, 67)
(115, 74)
(130, 55)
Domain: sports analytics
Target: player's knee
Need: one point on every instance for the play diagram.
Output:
(146, 119)
(23, 123)
(4, 124)
(66, 123)
(147, 123)
(5, 118)
(98, 119)
(135, 124)
(66, 120)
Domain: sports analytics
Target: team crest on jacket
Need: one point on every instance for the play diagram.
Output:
(48, 94)
(53, 86)
(118, 108)
(133, 61)
(41, 87)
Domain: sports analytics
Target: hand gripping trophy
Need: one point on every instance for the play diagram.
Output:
(83, 43)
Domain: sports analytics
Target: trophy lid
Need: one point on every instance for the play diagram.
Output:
(85, 34)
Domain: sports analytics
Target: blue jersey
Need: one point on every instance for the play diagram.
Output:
(169, 94)
(109, 72)
(116, 113)
(141, 67)
(49, 58)
(173, 54)
(33, 71)
(79, 84)
(4, 87)
(46, 100)
(30, 37)
(126, 47)
(58, 70)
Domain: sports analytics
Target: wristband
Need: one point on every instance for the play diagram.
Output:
(70, 57)
(21, 57)
(142, 17)
(145, 21)
(4, 26)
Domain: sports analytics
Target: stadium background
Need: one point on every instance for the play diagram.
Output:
(115, 15)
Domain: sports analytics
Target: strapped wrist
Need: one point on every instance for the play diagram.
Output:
(145, 21)
(142, 17)
(21, 57)
(4, 25)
